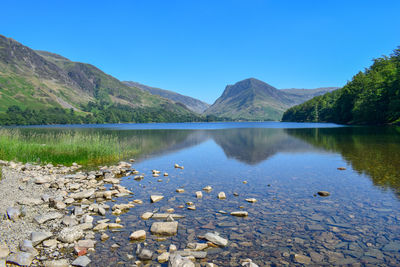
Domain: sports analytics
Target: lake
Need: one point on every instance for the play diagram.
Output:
(282, 166)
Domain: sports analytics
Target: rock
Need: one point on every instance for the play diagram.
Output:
(207, 188)
(192, 207)
(251, 200)
(81, 261)
(164, 216)
(43, 180)
(13, 213)
(177, 260)
(100, 227)
(104, 237)
(221, 195)
(164, 257)
(2, 262)
(51, 243)
(45, 198)
(57, 263)
(393, 246)
(82, 194)
(4, 251)
(21, 258)
(30, 201)
(115, 226)
(240, 213)
(27, 246)
(40, 219)
(70, 234)
(138, 235)
(200, 246)
(143, 253)
(39, 237)
(87, 243)
(102, 211)
(155, 198)
(146, 215)
(78, 211)
(69, 221)
(216, 239)
(323, 193)
(302, 259)
(249, 263)
(164, 228)
(199, 194)
(88, 219)
(341, 168)
(172, 248)
(60, 205)
(180, 190)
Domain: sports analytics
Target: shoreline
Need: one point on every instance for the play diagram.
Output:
(54, 215)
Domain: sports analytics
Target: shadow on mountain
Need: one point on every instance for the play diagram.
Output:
(374, 151)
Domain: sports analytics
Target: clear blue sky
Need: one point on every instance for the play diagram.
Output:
(198, 47)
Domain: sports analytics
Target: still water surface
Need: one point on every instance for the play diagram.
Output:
(285, 165)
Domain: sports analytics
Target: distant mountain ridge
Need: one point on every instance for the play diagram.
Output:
(253, 99)
(40, 80)
(191, 103)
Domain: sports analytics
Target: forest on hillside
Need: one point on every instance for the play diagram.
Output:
(371, 97)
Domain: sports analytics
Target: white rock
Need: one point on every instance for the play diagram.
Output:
(163, 257)
(164, 228)
(221, 195)
(216, 239)
(199, 194)
(240, 213)
(138, 235)
(156, 198)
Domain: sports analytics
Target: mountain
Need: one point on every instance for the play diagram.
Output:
(371, 97)
(191, 103)
(252, 99)
(39, 80)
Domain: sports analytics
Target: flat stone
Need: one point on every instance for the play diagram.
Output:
(221, 195)
(4, 251)
(164, 228)
(51, 243)
(249, 263)
(143, 253)
(70, 234)
(39, 237)
(163, 257)
(138, 235)
(302, 259)
(21, 258)
(164, 216)
(156, 198)
(216, 239)
(27, 246)
(146, 215)
(57, 263)
(43, 180)
(87, 243)
(251, 200)
(115, 226)
(30, 201)
(81, 261)
(13, 213)
(240, 213)
(180, 190)
(100, 227)
(40, 219)
(177, 260)
(196, 254)
(207, 188)
(82, 194)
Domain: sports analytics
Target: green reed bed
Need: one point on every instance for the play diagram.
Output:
(62, 147)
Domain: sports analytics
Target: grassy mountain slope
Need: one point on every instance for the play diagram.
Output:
(40, 80)
(191, 103)
(371, 97)
(252, 99)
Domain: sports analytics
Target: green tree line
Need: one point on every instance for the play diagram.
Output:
(371, 97)
(96, 114)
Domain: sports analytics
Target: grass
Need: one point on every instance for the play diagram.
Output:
(63, 147)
